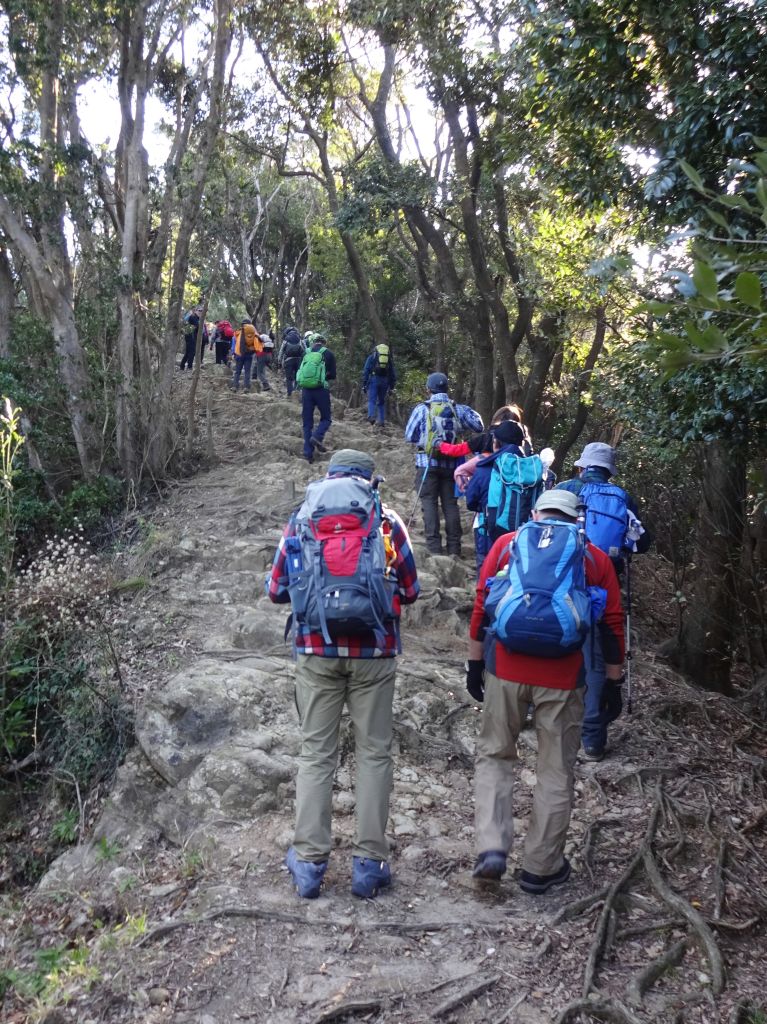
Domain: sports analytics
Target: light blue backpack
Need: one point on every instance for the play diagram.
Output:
(515, 484)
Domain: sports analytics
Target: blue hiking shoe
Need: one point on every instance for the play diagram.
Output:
(306, 874)
(536, 885)
(368, 876)
(490, 865)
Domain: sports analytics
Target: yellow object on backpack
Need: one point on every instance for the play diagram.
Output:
(248, 341)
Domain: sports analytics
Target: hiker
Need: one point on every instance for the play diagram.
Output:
(245, 345)
(263, 361)
(533, 655)
(289, 357)
(345, 653)
(378, 379)
(433, 422)
(612, 524)
(222, 340)
(317, 370)
(192, 320)
(506, 483)
(481, 445)
(514, 413)
(506, 440)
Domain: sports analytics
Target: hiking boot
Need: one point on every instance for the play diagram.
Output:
(368, 876)
(593, 753)
(372, 421)
(306, 874)
(490, 865)
(317, 444)
(309, 459)
(538, 884)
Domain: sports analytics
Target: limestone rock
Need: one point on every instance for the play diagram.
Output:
(196, 711)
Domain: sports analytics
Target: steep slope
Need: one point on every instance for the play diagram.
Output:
(180, 901)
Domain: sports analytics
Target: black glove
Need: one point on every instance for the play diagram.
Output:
(612, 698)
(475, 679)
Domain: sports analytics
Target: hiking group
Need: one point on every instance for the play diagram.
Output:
(546, 630)
(241, 349)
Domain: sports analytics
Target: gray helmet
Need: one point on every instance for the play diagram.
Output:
(436, 382)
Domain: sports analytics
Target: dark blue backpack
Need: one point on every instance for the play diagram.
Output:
(606, 518)
(540, 605)
(338, 580)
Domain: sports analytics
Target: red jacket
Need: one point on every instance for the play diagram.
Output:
(557, 673)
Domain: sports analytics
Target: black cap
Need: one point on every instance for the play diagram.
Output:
(436, 382)
(508, 432)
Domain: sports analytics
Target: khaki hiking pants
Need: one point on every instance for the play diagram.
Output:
(558, 718)
(323, 686)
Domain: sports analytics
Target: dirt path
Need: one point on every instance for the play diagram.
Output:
(179, 908)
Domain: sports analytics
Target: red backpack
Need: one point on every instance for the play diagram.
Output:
(226, 330)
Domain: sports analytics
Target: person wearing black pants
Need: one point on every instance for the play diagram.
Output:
(190, 341)
(439, 489)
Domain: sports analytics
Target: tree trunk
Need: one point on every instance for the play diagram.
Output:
(162, 441)
(7, 299)
(705, 643)
(54, 295)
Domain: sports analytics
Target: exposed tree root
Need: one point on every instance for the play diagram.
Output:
(601, 930)
(652, 926)
(350, 1006)
(680, 906)
(647, 977)
(470, 992)
(719, 882)
(577, 907)
(608, 1010)
(507, 1014)
(259, 914)
(589, 840)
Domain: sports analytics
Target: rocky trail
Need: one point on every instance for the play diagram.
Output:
(178, 907)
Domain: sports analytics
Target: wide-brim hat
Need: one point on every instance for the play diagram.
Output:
(597, 453)
(557, 500)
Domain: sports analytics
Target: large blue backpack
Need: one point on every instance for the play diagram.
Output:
(338, 579)
(540, 604)
(606, 519)
(515, 484)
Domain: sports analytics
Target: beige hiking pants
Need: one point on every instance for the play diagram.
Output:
(323, 686)
(558, 717)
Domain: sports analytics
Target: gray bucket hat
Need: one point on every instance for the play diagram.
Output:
(597, 453)
(352, 463)
(557, 500)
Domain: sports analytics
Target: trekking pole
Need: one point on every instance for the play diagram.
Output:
(418, 495)
(629, 694)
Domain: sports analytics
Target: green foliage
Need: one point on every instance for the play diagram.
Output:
(610, 80)
(718, 311)
(377, 191)
(107, 850)
(64, 829)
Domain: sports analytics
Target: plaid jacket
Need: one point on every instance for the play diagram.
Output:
(416, 429)
(363, 645)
